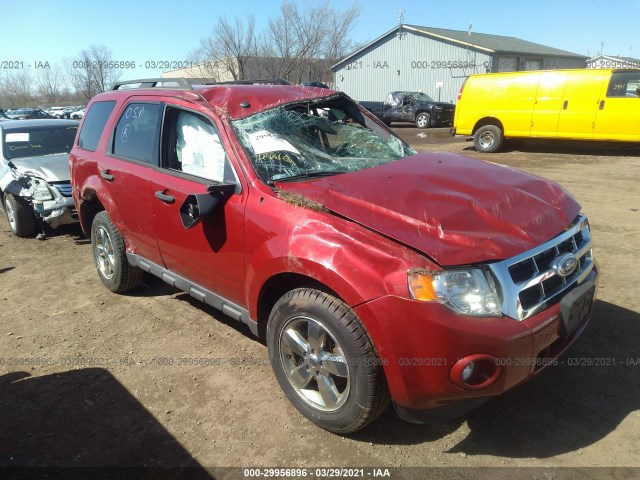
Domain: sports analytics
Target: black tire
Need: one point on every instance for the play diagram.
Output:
(20, 216)
(110, 256)
(315, 340)
(423, 120)
(488, 139)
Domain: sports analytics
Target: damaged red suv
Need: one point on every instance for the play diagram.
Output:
(376, 274)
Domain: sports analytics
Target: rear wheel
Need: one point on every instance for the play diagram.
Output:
(423, 120)
(488, 139)
(325, 362)
(20, 216)
(111, 259)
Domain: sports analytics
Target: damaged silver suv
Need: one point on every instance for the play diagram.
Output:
(34, 174)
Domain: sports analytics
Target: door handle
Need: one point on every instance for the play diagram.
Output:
(107, 176)
(601, 104)
(165, 198)
(565, 104)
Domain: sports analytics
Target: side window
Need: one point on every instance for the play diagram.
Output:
(136, 131)
(624, 84)
(193, 146)
(94, 122)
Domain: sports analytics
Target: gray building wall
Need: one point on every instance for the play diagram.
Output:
(415, 62)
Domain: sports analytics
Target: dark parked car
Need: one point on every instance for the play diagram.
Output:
(315, 84)
(30, 113)
(34, 173)
(374, 273)
(414, 107)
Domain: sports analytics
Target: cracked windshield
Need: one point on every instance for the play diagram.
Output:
(312, 140)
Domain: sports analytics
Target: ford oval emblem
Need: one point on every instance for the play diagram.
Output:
(565, 264)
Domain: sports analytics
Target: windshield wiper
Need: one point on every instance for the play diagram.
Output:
(322, 173)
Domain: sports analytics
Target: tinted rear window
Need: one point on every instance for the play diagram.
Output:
(135, 133)
(38, 142)
(94, 122)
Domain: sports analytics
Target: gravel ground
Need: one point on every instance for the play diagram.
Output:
(153, 378)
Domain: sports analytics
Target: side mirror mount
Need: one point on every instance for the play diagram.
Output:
(199, 206)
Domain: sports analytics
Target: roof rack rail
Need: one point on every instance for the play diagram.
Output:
(188, 83)
(261, 81)
(154, 83)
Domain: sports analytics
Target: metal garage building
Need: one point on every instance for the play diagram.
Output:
(436, 61)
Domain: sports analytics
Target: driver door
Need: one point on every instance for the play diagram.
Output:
(209, 254)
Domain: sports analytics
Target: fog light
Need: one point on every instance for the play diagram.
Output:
(467, 372)
(475, 372)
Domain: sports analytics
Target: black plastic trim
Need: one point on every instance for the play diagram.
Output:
(441, 414)
(196, 291)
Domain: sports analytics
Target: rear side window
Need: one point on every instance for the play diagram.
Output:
(136, 132)
(624, 84)
(94, 122)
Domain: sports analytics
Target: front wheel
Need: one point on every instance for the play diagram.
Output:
(20, 216)
(488, 139)
(423, 120)
(325, 362)
(110, 256)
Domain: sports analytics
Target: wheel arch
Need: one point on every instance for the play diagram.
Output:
(87, 210)
(278, 285)
(488, 121)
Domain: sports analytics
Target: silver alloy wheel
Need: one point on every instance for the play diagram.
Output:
(104, 252)
(314, 364)
(423, 121)
(11, 215)
(486, 140)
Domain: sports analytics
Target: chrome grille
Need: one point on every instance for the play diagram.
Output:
(530, 283)
(64, 188)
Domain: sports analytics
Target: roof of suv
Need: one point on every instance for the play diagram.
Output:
(238, 101)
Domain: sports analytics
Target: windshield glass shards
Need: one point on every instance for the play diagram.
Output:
(304, 141)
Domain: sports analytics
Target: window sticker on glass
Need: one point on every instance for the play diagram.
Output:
(17, 137)
(264, 142)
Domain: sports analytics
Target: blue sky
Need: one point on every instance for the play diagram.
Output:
(143, 30)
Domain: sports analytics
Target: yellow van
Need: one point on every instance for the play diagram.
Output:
(569, 104)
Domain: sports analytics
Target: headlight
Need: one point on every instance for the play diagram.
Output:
(470, 291)
(40, 190)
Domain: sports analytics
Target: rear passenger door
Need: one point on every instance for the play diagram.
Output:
(125, 172)
(193, 157)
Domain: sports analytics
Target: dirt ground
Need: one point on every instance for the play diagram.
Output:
(153, 378)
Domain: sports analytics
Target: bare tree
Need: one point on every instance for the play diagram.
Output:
(91, 71)
(50, 86)
(230, 46)
(300, 44)
(17, 91)
(309, 40)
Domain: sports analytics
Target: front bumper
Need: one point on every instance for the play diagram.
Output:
(56, 212)
(441, 118)
(420, 342)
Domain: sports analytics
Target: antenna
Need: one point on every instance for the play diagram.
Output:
(401, 34)
(470, 27)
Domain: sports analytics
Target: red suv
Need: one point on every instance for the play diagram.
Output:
(375, 273)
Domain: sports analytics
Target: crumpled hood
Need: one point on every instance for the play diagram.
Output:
(455, 209)
(51, 168)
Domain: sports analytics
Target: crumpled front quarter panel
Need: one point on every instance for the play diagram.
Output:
(356, 263)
